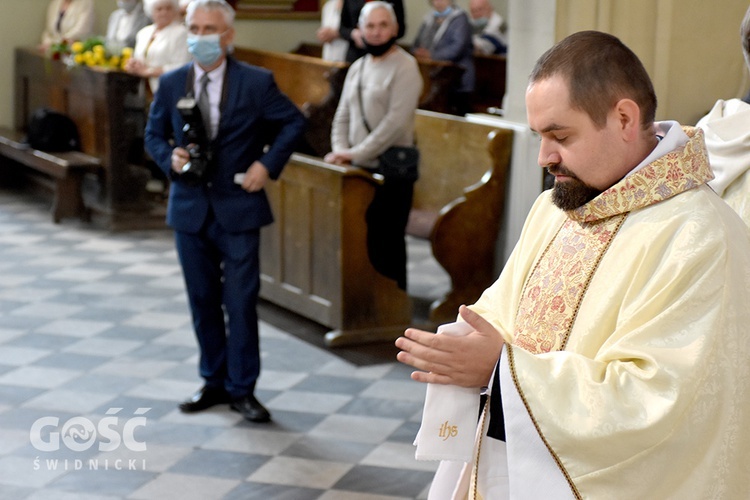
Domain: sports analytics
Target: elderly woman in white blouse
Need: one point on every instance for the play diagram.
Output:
(161, 46)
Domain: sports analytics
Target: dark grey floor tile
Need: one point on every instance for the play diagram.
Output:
(15, 492)
(163, 352)
(182, 434)
(185, 371)
(291, 355)
(62, 458)
(75, 299)
(24, 418)
(223, 464)
(126, 332)
(399, 372)
(103, 482)
(260, 491)
(328, 383)
(376, 407)
(288, 421)
(103, 314)
(103, 383)
(140, 281)
(323, 449)
(173, 307)
(42, 341)
(8, 306)
(71, 360)
(13, 395)
(16, 321)
(405, 433)
(157, 409)
(384, 481)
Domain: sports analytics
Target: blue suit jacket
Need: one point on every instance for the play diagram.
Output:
(254, 113)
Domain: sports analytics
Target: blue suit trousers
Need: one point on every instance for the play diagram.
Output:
(222, 276)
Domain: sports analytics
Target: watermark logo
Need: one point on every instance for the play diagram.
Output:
(81, 433)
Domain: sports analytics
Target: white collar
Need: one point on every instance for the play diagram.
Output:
(216, 72)
(671, 137)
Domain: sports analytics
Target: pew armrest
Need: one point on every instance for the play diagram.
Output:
(464, 236)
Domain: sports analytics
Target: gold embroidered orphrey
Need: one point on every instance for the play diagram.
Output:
(558, 282)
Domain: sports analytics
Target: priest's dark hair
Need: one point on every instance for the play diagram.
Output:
(600, 70)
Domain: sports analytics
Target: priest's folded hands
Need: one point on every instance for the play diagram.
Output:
(465, 361)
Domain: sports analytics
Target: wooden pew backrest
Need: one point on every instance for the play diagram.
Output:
(439, 76)
(303, 78)
(490, 85)
(313, 84)
(458, 202)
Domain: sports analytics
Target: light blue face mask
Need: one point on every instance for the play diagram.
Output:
(444, 13)
(206, 49)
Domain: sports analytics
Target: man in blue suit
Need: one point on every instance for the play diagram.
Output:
(253, 129)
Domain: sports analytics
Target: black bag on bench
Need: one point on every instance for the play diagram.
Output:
(52, 131)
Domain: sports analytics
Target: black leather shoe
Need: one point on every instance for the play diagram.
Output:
(251, 409)
(204, 399)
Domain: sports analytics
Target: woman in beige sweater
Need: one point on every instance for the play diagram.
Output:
(382, 89)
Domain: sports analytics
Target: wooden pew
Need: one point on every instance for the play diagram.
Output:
(110, 117)
(313, 84)
(490, 87)
(437, 77)
(458, 202)
(66, 170)
(314, 257)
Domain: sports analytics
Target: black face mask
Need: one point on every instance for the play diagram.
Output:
(379, 50)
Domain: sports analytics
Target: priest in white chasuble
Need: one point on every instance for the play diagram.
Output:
(614, 349)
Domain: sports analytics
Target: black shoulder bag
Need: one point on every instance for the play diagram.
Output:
(397, 162)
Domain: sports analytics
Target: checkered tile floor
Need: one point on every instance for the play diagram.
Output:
(96, 350)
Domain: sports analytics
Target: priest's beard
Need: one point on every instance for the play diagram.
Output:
(572, 193)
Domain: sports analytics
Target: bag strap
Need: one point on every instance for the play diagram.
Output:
(359, 94)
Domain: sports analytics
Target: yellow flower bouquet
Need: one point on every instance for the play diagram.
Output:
(93, 53)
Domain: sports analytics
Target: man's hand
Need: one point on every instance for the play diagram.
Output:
(422, 53)
(338, 158)
(255, 177)
(466, 361)
(356, 35)
(180, 157)
(326, 34)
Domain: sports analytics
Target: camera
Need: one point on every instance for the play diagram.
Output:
(197, 140)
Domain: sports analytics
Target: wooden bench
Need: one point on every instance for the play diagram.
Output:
(314, 257)
(490, 84)
(458, 202)
(437, 75)
(66, 169)
(106, 107)
(313, 84)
